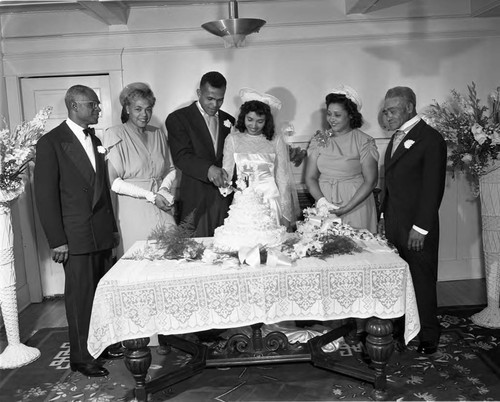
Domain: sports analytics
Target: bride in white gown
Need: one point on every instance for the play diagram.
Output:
(261, 156)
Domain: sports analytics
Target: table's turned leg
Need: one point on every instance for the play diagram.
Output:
(380, 345)
(137, 360)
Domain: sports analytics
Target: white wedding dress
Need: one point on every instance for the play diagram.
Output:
(265, 166)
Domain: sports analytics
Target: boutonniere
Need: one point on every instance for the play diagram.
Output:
(102, 150)
(227, 123)
(323, 137)
(408, 144)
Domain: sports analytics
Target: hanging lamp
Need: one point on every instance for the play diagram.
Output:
(234, 30)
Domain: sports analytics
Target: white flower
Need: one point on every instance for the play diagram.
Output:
(478, 132)
(495, 138)
(227, 123)
(467, 158)
(408, 144)
(101, 149)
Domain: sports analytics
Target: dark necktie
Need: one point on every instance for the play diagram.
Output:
(88, 131)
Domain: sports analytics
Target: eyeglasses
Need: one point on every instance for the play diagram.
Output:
(92, 104)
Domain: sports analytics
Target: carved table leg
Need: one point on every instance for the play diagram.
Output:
(380, 345)
(137, 360)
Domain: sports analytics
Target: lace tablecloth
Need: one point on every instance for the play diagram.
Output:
(141, 298)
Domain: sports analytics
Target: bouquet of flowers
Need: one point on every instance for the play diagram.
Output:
(17, 149)
(471, 133)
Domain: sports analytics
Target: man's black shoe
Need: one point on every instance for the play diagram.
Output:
(89, 369)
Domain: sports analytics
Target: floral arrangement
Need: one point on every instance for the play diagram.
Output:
(323, 235)
(17, 149)
(171, 242)
(471, 134)
(176, 242)
(296, 154)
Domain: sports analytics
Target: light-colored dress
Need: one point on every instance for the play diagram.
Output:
(265, 164)
(339, 163)
(144, 163)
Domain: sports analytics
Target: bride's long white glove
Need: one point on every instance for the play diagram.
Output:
(168, 183)
(121, 187)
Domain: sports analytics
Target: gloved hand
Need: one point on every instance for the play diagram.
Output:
(121, 187)
(167, 185)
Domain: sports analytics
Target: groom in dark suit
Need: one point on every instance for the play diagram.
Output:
(74, 204)
(196, 135)
(415, 172)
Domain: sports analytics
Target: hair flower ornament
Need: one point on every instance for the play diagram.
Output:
(102, 150)
(227, 124)
(408, 144)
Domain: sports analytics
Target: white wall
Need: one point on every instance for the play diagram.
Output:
(305, 49)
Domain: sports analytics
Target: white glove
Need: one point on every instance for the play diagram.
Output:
(322, 203)
(168, 183)
(121, 187)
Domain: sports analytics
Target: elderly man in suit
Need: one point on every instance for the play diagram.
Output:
(196, 135)
(415, 172)
(74, 204)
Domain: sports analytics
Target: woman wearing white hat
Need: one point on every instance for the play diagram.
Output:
(342, 163)
(140, 168)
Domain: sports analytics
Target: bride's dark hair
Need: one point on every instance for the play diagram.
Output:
(261, 109)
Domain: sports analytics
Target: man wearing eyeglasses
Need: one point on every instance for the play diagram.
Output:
(74, 205)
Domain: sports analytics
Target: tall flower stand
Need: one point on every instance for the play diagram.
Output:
(15, 354)
(489, 190)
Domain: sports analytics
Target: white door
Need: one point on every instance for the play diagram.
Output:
(49, 91)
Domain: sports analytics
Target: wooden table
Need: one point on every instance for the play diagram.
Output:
(139, 298)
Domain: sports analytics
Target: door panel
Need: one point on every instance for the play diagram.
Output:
(49, 91)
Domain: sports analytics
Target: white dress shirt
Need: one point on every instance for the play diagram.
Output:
(85, 140)
(207, 117)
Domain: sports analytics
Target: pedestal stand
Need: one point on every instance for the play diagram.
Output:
(15, 354)
(489, 190)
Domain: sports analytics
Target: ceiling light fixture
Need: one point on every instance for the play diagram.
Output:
(234, 30)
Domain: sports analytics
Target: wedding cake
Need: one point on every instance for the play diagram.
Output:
(250, 222)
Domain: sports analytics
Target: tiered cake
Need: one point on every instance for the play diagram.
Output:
(250, 222)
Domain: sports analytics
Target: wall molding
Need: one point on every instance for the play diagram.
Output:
(51, 46)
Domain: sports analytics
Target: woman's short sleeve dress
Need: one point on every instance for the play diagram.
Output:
(339, 163)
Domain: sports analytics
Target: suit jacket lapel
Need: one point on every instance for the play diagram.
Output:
(201, 128)
(77, 155)
(413, 135)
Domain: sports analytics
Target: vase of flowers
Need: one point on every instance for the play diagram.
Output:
(17, 149)
(472, 133)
